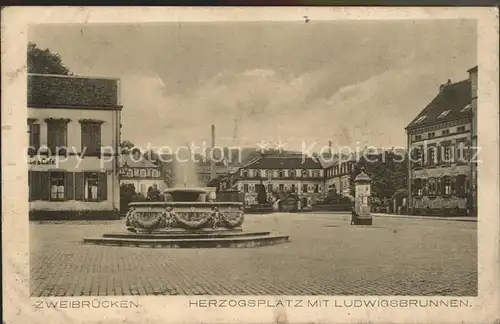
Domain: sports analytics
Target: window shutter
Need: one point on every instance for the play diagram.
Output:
(44, 186)
(460, 186)
(69, 186)
(97, 135)
(79, 186)
(36, 135)
(51, 138)
(87, 140)
(103, 188)
(30, 186)
(35, 185)
(424, 187)
(62, 135)
(439, 186)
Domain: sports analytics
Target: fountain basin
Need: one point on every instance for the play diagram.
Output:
(189, 221)
(157, 216)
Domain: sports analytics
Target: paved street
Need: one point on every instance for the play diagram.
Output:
(326, 256)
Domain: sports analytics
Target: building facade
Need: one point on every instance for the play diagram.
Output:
(473, 76)
(142, 173)
(338, 175)
(280, 175)
(439, 141)
(74, 135)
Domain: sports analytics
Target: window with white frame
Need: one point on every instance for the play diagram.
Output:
(420, 119)
(57, 181)
(466, 108)
(91, 180)
(447, 186)
(444, 114)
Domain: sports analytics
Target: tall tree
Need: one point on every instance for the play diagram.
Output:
(387, 170)
(43, 61)
(126, 146)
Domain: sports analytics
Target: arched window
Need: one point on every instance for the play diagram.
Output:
(292, 174)
(305, 173)
(269, 174)
(245, 173)
(281, 173)
(142, 173)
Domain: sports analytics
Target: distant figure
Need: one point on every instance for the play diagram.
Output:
(212, 196)
(353, 215)
(276, 205)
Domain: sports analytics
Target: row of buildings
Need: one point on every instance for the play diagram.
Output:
(75, 165)
(442, 168)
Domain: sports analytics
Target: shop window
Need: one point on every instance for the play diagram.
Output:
(57, 186)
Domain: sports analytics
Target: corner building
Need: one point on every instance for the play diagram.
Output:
(441, 139)
(74, 136)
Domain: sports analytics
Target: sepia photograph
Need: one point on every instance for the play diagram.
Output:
(254, 158)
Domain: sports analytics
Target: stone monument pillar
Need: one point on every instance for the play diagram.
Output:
(362, 208)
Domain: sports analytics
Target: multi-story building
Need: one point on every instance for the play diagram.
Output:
(439, 141)
(473, 78)
(137, 170)
(74, 136)
(338, 174)
(282, 174)
(204, 171)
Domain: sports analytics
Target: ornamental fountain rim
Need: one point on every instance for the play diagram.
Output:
(184, 203)
(191, 190)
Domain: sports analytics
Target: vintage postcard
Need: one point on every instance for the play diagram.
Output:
(250, 165)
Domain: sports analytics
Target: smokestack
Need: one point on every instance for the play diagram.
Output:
(212, 167)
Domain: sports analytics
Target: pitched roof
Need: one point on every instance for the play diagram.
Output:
(134, 163)
(46, 90)
(284, 162)
(449, 104)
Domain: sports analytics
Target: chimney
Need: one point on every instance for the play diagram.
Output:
(441, 87)
(212, 167)
(330, 147)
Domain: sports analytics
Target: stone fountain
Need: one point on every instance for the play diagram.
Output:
(189, 218)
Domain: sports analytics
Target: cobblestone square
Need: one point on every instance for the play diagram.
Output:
(326, 256)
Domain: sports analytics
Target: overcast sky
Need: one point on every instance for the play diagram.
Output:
(348, 82)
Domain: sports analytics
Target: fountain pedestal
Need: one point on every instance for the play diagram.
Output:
(187, 220)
